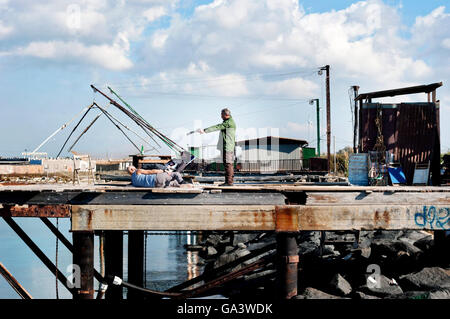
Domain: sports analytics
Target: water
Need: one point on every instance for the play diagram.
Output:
(168, 262)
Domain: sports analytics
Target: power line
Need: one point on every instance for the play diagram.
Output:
(220, 78)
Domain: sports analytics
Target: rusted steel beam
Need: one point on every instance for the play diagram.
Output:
(263, 217)
(21, 291)
(56, 211)
(287, 255)
(394, 92)
(368, 198)
(286, 219)
(170, 217)
(38, 252)
(83, 256)
(376, 216)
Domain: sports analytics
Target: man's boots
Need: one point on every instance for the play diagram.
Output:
(229, 174)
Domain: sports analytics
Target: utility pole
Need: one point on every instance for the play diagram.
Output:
(327, 81)
(334, 141)
(318, 123)
(355, 129)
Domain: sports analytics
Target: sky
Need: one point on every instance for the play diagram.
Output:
(178, 63)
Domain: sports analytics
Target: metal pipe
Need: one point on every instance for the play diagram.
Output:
(38, 252)
(83, 256)
(355, 129)
(327, 70)
(14, 283)
(318, 126)
(287, 252)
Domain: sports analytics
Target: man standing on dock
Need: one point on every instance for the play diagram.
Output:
(226, 143)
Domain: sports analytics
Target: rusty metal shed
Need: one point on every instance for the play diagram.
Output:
(410, 130)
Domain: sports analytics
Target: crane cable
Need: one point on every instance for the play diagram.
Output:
(164, 138)
(123, 125)
(170, 143)
(76, 126)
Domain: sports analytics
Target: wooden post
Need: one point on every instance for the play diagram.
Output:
(135, 262)
(83, 256)
(287, 253)
(114, 261)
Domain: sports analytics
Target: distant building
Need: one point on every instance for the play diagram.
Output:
(270, 154)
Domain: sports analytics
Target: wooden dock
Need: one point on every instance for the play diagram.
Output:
(283, 208)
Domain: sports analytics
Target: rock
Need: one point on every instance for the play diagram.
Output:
(340, 236)
(364, 242)
(307, 248)
(213, 240)
(382, 288)
(340, 285)
(241, 245)
(361, 295)
(229, 257)
(242, 238)
(426, 279)
(425, 244)
(411, 295)
(365, 252)
(395, 250)
(439, 294)
(309, 237)
(260, 274)
(329, 250)
(312, 293)
(262, 242)
(211, 251)
(228, 249)
(434, 294)
(412, 236)
(387, 235)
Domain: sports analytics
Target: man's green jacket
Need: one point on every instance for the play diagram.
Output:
(227, 134)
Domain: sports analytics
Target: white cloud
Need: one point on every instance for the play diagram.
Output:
(242, 36)
(110, 57)
(5, 30)
(154, 13)
(80, 31)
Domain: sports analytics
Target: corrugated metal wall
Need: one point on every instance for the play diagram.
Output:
(270, 158)
(410, 131)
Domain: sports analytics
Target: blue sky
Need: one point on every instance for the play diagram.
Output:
(179, 62)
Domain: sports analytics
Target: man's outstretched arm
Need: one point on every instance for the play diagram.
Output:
(213, 128)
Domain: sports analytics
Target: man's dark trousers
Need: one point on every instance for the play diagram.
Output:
(228, 163)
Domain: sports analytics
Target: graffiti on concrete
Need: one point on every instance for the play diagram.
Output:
(434, 218)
